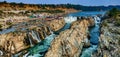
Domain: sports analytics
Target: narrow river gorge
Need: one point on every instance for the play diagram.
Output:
(79, 37)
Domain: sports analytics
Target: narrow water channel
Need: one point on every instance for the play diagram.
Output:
(40, 49)
(94, 38)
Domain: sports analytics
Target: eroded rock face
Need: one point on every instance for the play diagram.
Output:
(17, 41)
(70, 42)
(12, 42)
(109, 45)
(56, 24)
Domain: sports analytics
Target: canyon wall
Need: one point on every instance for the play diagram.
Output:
(109, 41)
(71, 41)
(14, 42)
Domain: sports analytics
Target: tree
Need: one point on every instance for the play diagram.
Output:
(113, 13)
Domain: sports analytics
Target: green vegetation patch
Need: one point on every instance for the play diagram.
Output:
(114, 16)
(113, 12)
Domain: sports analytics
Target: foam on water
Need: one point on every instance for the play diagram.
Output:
(41, 48)
(70, 19)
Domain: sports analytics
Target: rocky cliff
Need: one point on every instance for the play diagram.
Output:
(70, 42)
(34, 32)
(109, 41)
(16, 41)
(56, 24)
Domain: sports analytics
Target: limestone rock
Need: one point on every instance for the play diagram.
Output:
(56, 24)
(109, 45)
(14, 42)
(70, 42)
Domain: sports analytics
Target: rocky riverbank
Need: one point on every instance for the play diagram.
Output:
(109, 41)
(26, 35)
(16, 41)
(71, 41)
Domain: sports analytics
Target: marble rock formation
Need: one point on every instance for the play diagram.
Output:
(70, 42)
(56, 24)
(14, 42)
(109, 45)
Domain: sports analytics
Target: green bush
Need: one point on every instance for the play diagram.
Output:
(117, 22)
(113, 12)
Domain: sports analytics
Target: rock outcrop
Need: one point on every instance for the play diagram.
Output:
(56, 24)
(109, 45)
(27, 35)
(70, 42)
(14, 42)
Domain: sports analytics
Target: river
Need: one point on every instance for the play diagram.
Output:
(94, 31)
(40, 49)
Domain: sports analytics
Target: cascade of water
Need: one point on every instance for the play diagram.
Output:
(38, 36)
(97, 20)
(70, 19)
(50, 30)
(34, 35)
(26, 55)
(1, 53)
(31, 44)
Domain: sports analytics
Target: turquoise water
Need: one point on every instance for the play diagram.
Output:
(88, 13)
(40, 49)
(94, 31)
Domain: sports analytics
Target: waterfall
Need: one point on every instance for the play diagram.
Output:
(70, 19)
(50, 30)
(31, 44)
(1, 53)
(38, 36)
(97, 20)
(40, 49)
(26, 55)
(34, 35)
